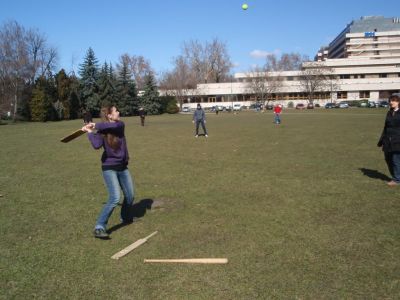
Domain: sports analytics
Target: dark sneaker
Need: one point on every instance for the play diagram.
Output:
(101, 234)
(127, 222)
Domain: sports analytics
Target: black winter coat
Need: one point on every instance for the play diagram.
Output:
(390, 138)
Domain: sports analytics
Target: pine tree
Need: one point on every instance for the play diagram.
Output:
(73, 98)
(150, 100)
(89, 86)
(106, 85)
(127, 92)
(63, 91)
(41, 103)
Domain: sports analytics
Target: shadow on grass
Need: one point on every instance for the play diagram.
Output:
(139, 210)
(374, 174)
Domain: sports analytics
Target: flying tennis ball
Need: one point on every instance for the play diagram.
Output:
(245, 6)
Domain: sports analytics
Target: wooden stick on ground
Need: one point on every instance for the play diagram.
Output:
(128, 249)
(190, 260)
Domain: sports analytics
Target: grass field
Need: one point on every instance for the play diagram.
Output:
(301, 210)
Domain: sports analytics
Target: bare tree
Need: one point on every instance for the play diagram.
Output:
(292, 61)
(42, 58)
(286, 62)
(139, 66)
(208, 63)
(24, 56)
(194, 55)
(178, 82)
(218, 61)
(314, 78)
(263, 83)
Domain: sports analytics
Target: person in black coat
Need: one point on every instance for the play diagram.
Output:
(87, 117)
(390, 139)
(142, 115)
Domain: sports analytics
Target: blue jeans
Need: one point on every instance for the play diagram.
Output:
(277, 119)
(393, 163)
(115, 180)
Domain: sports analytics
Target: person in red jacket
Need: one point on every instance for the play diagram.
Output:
(277, 113)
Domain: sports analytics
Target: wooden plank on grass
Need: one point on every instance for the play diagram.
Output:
(190, 260)
(128, 249)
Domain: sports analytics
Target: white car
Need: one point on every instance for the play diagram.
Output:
(237, 107)
(185, 109)
(343, 105)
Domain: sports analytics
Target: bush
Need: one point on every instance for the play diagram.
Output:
(354, 103)
(290, 104)
(172, 107)
(169, 105)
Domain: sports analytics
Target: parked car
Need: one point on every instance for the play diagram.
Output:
(317, 105)
(300, 106)
(330, 105)
(310, 106)
(269, 107)
(237, 107)
(372, 104)
(343, 105)
(383, 104)
(185, 109)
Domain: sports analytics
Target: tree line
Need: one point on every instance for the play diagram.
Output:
(32, 89)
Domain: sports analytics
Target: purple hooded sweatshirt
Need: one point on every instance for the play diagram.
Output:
(110, 156)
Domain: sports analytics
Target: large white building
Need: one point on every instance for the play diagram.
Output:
(374, 37)
(363, 62)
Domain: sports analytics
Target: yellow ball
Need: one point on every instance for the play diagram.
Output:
(245, 6)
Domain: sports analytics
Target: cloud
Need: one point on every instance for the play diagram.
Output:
(263, 54)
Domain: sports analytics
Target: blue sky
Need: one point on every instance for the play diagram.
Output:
(156, 29)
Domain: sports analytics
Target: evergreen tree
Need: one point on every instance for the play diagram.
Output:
(150, 100)
(41, 103)
(63, 91)
(114, 83)
(89, 87)
(106, 85)
(127, 92)
(73, 98)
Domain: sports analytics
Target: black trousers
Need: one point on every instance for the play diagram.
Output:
(198, 122)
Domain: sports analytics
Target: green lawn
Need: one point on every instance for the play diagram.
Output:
(301, 210)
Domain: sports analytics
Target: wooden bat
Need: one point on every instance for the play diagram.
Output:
(190, 260)
(72, 136)
(128, 249)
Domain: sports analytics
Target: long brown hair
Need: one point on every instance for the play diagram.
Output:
(111, 139)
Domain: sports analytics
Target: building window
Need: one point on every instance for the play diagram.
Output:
(211, 99)
(362, 76)
(355, 76)
(345, 76)
(290, 78)
(364, 94)
(383, 75)
(342, 95)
